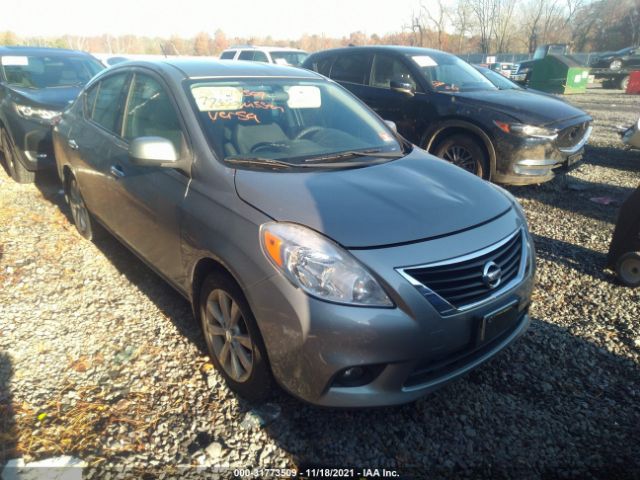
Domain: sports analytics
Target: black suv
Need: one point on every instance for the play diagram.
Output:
(626, 58)
(447, 107)
(36, 84)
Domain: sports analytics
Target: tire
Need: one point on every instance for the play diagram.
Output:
(233, 339)
(16, 170)
(624, 83)
(465, 152)
(615, 64)
(628, 269)
(85, 224)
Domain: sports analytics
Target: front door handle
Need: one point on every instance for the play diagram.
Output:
(72, 144)
(116, 171)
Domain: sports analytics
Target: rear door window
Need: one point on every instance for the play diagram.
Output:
(323, 66)
(352, 68)
(107, 109)
(259, 56)
(246, 55)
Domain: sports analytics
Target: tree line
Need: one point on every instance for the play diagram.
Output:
(461, 26)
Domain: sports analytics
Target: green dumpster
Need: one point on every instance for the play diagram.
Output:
(559, 74)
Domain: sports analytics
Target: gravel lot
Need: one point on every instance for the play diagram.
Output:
(100, 359)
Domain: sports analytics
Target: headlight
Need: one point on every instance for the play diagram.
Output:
(36, 113)
(527, 130)
(319, 266)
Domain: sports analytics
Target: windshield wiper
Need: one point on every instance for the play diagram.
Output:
(260, 161)
(376, 153)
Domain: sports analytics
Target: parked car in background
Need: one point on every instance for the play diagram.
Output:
(444, 105)
(317, 247)
(626, 58)
(279, 55)
(36, 85)
(505, 69)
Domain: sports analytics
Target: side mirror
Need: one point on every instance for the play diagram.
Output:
(153, 152)
(402, 87)
(392, 125)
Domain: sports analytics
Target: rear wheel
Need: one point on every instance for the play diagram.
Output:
(628, 269)
(82, 218)
(233, 339)
(16, 170)
(465, 152)
(624, 82)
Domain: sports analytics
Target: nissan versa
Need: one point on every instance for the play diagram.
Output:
(318, 248)
(36, 84)
(447, 107)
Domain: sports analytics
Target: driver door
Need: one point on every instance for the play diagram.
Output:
(147, 201)
(404, 109)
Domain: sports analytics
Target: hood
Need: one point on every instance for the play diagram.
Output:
(54, 98)
(525, 106)
(414, 198)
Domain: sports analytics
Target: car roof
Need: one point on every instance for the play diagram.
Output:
(212, 67)
(264, 48)
(385, 48)
(17, 50)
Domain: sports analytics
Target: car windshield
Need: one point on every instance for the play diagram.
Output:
(291, 120)
(48, 71)
(499, 80)
(448, 73)
(289, 58)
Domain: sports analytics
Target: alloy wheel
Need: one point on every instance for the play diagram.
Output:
(227, 334)
(79, 210)
(463, 158)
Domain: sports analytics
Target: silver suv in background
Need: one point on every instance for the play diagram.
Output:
(317, 247)
(277, 55)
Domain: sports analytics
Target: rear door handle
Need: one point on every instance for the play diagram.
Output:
(116, 171)
(72, 144)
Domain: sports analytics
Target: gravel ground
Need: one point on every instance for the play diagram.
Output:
(100, 359)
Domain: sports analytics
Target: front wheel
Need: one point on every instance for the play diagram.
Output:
(16, 170)
(233, 339)
(615, 64)
(465, 152)
(628, 269)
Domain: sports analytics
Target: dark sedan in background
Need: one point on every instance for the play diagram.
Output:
(447, 107)
(36, 85)
(626, 58)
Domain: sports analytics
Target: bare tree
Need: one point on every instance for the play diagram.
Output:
(462, 22)
(435, 20)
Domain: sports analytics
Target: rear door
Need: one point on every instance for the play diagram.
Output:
(351, 70)
(147, 201)
(89, 141)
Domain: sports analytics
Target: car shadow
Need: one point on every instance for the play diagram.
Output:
(170, 302)
(555, 194)
(616, 158)
(533, 411)
(8, 434)
(581, 259)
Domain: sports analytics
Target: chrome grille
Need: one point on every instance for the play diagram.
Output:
(461, 283)
(571, 136)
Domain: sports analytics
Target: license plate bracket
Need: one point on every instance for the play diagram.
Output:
(497, 322)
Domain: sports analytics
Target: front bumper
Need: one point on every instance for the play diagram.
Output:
(310, 342)
(533, 161)
(32, 141)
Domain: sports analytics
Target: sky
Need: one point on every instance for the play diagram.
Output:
(282, 19)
